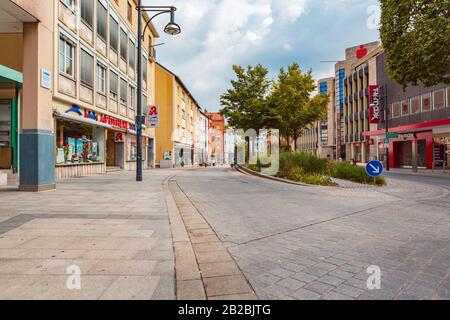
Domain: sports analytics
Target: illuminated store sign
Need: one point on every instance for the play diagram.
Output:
(374, 101)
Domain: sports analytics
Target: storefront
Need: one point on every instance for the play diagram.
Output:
(88, 143)
(432, 140)
(441, 147)
(183, 154)
(80, 145)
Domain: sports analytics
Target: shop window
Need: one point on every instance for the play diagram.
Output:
(426, 102)
(87, 12)
(439, 99)
(66, 57)
(78, 144)
(123, 91)
(113, 34)
(113, 85)
(415, 105)
(123, 45)
(396, 110)
(132, 54)
(87, 67)
(448, 97)
(101, 79)
(102, 15)
(405, 107)
(132, 148)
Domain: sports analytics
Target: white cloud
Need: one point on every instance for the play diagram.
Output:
(287, 47)
(219, 33)
(290, 10)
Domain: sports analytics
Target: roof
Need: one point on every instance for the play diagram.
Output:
(10, 78)
(215, 116)
(181, 82)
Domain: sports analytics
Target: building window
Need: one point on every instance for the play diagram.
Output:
(66, 57)
(439, 99)
(405, 108)
(415, 105)
(132, 97)
(123, 91)
(69, 4)
(132, 54)
(87, 67)
(101, 79)
(113, 34)
(113, 83)
(396, 110)
(130, 12)
(123, 44)
(144, 101)
(101, 21)
(426, 102)
(87, 12)
(144, 68)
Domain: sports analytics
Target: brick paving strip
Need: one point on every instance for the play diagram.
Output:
(204, 268)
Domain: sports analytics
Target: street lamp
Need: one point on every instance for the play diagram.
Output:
(172, 29)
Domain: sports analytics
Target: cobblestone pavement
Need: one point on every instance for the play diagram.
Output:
(115, 230)
(296, 242)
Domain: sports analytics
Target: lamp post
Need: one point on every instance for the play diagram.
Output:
(172, 29)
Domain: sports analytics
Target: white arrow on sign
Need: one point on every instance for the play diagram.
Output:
(375, 169)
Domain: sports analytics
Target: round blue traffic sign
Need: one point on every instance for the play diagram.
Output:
(374, 168)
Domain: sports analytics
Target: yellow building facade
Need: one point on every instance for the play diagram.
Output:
(181, 137)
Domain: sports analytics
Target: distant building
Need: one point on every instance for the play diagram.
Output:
(180, 121)
(419, 116)
(320, 138)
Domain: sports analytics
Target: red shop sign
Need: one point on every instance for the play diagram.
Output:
(118, 123)
(375, 104)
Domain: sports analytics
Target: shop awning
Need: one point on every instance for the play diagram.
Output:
(9, 78)
(424, 126)
(82, 120)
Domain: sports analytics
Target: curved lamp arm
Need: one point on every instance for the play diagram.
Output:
(160, 9)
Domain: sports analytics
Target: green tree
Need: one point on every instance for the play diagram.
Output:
(291, 107)
(244, 105)
(416, 37)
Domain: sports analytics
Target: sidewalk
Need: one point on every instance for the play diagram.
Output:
(422, 172)
(112, 229)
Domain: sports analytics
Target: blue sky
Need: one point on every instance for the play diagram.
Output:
(219, 33)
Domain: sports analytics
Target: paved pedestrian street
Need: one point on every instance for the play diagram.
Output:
(296, 242)
(114, 230)
(219, 234)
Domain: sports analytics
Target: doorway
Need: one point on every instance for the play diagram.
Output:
(151, 153)
(6, 143)
(110, 150)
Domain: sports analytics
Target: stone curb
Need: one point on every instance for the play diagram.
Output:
(189, 285)
(219, 275)
(343, 184)
(244, 170)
